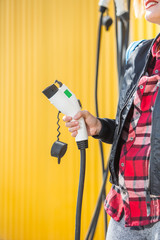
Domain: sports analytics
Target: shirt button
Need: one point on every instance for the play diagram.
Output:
(141, 86)
(131, 138)
(122, 164)
(156, 71)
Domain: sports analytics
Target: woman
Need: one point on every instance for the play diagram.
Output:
(134, 199)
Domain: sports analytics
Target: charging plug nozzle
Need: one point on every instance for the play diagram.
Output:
(50, 91)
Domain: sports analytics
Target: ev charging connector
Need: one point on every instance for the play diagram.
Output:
(66, 102)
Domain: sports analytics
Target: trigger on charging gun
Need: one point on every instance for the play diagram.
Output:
(80, 104)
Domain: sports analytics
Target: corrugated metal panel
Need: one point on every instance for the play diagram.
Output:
(42, 41)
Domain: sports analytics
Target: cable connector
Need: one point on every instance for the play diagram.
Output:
(102, 9)
(103, 5)
(82, 144)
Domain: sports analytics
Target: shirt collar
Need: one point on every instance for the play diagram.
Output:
(156, 48)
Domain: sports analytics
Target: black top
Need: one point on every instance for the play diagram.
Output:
(50, 91)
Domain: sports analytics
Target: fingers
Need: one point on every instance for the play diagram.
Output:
(67, 118)
(74, 129)
(80, 114)
(74, 134)
(73, 126)
(69, 123)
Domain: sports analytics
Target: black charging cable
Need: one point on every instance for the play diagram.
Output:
(80, 194)
(107, 21)
(82, 145)
(97, 115)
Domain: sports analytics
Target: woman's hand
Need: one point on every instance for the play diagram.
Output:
(93, 125)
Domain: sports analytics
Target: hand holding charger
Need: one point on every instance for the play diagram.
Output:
(67, 103)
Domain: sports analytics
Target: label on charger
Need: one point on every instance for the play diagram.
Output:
(68, 94)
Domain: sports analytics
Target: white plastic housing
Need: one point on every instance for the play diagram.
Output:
(121, 7)
(104, 3)
(69, 106)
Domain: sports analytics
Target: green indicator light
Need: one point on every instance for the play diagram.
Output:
(68, 94)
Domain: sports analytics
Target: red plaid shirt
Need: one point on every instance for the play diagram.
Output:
(130, 196)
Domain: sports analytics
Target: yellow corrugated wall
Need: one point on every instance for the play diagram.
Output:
(40, 41)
